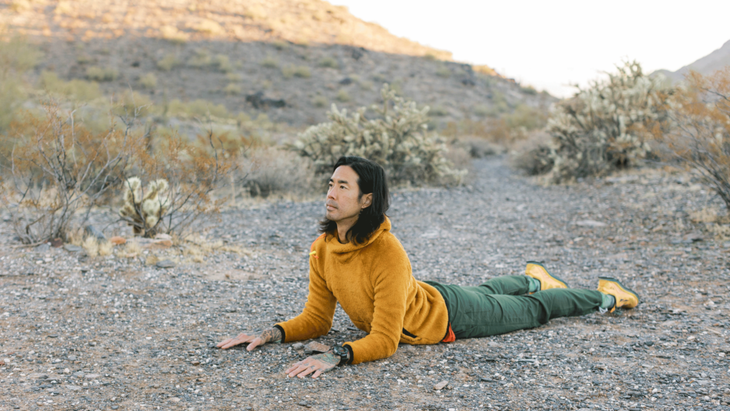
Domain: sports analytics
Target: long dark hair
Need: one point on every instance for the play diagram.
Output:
(370, 179)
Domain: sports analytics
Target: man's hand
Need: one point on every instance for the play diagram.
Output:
(271, 335)
(316, 364)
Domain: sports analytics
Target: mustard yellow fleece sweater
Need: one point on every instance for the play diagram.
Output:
(374, 285)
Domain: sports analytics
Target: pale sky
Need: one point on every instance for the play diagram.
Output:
(551, 44)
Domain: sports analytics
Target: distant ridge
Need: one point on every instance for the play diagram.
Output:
(712, 62)
(296, 21)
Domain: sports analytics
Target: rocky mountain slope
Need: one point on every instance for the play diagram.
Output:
(712, 62)
(289, 59)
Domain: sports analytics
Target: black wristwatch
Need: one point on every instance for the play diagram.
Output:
(341, 352)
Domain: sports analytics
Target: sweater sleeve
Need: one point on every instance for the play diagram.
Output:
(319, 310)
(389, 300)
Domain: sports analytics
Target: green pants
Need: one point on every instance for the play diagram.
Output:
(501, 305)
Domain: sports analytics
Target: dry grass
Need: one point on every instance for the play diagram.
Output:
(91, 245)
(131, 249)
(105, 248)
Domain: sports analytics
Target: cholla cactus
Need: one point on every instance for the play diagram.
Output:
(604, 126)
(143, 211)
(396, 138)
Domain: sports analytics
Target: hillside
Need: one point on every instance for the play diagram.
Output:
(287, 59)
(712, 62)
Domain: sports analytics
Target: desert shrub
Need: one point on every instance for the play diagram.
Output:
(438, 111)
(148, 81)
(482, 110)
(343, 96)
(16, 57)
(101, 74)
(222, 63)
(172, 34)
(270, 62)
(280, 45)
(328, 62)
(698, 131)
(533, 155)
(175, 191)
(57, 167)
(134, 105)
(603, 127)
(233, 77)
(443, 71)
(529, 90)
(320, 101)
(197, 108)
(395, 135)
(200, 59)
(272, 171)
(302, 72)
(232, 89)
(168, 62)
(75, 90)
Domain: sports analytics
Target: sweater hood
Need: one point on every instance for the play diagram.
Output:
(336, 247)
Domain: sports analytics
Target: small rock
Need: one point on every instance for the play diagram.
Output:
(163, 236)
(72, 387)
(165, 264)
(441, 385)
(94, 232)
(117, 240)
(159, 244)
(56, 242)
(196, 362)
(590, 223)
(43, 248)
(297, 346)
(174, 399)
(72, 248)
(92, 376)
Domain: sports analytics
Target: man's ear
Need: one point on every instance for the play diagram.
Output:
(367, 200)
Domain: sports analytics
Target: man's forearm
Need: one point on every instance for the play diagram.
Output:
(271, 335)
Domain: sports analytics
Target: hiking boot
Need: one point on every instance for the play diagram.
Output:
(547, 281)
(625, 297)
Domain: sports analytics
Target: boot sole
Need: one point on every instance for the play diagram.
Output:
(546, 270)
(625, 288)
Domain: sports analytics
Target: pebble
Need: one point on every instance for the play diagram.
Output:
(440, 385)
(165, 264)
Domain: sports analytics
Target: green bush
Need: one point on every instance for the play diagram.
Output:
(270, 62)
(603, 127)
(148, 81)
(320, 101)
(328, 62)
(443, 71)
(77, 90)
(197, 108)
(395, 136)
(168, 63)
(16, 57)
(222, 63)
(343, 96)
(101, 74)
(232, 89)
(200, 59)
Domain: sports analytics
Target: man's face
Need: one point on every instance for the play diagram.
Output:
(343, 196)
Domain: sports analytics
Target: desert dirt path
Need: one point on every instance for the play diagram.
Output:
(113, 333)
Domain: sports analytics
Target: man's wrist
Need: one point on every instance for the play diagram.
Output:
(343, 353)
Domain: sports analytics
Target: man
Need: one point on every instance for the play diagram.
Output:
(360, 264)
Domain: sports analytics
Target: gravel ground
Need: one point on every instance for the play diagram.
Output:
(114, 333)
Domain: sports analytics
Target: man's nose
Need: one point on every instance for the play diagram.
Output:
(331, 193)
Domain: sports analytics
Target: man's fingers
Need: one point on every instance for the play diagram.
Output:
(306, 372)
(317, 374)
(224, 342)
(255, 343)
(298, 370)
